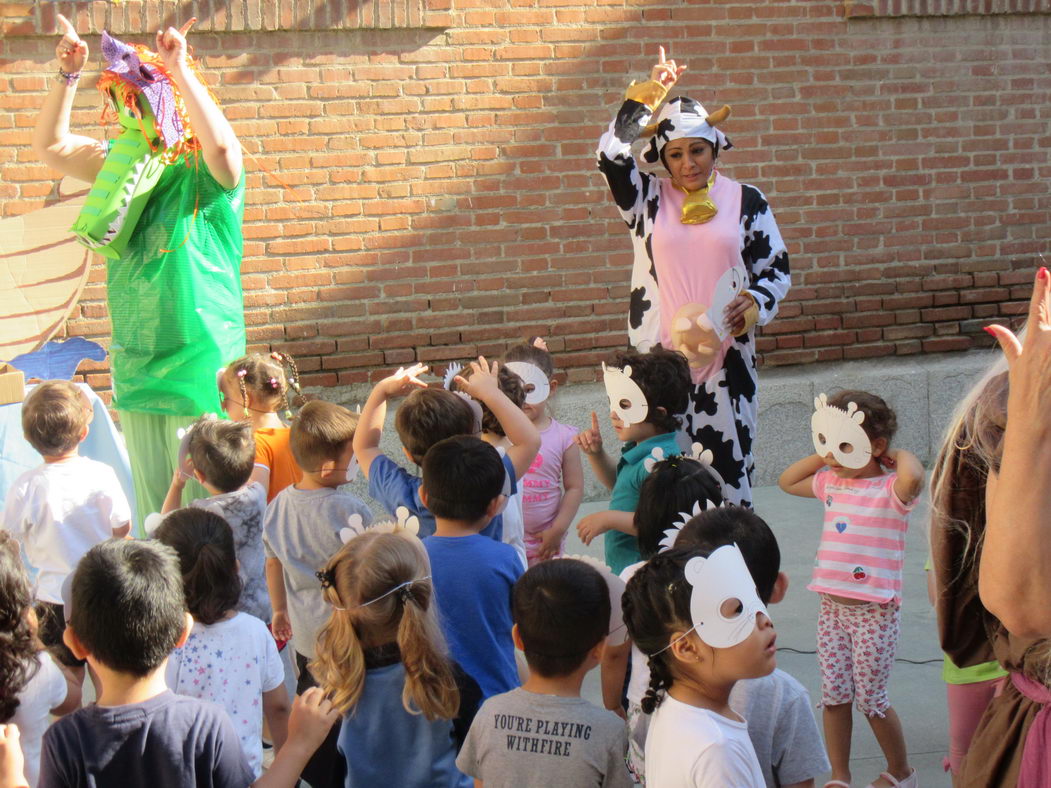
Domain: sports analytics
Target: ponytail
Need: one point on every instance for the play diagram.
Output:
(430, 687)
(204, 543)
(340, 663)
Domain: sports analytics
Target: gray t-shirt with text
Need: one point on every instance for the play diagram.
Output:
(302, 530)
(524, 739)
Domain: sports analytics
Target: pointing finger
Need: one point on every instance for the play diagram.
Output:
(660, 55)
(594, 421)
(189, 23)
(66, 28)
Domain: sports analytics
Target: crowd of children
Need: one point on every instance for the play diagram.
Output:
(403, 635)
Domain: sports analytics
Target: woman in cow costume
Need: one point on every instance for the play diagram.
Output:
(710, 264)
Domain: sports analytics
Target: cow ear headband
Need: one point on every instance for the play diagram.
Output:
(839, 432)
(723, 602)
(626, 399)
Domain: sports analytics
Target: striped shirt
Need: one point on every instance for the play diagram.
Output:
(862, 546)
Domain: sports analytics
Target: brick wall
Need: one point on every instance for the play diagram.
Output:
(421, 183)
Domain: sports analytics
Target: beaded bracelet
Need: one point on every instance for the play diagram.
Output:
(69, 78)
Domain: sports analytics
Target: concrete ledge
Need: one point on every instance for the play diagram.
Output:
(923, 390)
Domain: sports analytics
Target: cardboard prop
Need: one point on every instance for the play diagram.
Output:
(626, 399)
(724, 602)
(531, 375)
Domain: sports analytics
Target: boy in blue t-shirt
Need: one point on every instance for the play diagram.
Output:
(127, 612)
(646, 393)
(473, 575)
(429, 415)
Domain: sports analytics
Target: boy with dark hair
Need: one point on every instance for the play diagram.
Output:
(61, 509)
(464, 488)
(221, 456)
(646, 393)
(776, 707)
(128, 614)
(302, 525)
(544, 733)
(431, 415)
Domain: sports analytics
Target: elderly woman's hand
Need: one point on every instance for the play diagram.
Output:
(71, 51)
(1029, 362)
(666, 72)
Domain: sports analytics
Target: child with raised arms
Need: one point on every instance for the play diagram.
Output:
(867, 490)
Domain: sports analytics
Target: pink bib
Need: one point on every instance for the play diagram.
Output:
(695, 268)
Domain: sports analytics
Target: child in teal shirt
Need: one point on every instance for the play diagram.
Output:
(646, 392)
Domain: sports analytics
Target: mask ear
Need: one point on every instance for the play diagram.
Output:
(694, 569)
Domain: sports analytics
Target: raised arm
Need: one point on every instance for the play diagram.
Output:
(219, 145)
(911, 475)
(71, 154)
(370, 423)
(629, 186)
(590, 442)
(798, 478)
(483, 386)
(1014, 577)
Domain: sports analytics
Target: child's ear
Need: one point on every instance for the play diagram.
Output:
(408, 456)
(327, 467)
(69, 637)
(780, 589)
(199, 476)
(495, 506)
(686, 648)
(186, 627)
(598, 650)
(423, 495)
(517, 638)
(553, 384)
(879, 447)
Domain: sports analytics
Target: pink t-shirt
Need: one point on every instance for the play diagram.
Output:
(862, 546)
(690, 261)
(542, 484)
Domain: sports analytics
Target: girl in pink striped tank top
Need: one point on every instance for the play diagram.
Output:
(867, 490)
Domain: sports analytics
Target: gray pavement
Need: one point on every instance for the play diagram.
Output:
(917, 692)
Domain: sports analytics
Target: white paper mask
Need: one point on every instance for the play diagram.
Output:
(625, 397)
(727, 288)
(533, 376)
(724, 602)
(840, 433)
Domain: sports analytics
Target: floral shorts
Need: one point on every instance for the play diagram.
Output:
(856, 645)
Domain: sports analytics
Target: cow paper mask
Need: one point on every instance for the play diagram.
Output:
(840, 433)
(626, 399)
(531, 375)
(724, 600)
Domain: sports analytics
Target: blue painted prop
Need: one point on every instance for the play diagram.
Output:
(58, 360)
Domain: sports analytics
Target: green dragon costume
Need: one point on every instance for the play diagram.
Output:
(173, 238)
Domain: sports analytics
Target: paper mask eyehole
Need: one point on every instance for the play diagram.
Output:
(731, 608)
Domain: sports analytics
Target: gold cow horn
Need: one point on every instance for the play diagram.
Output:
(718, 116)
(649, 131)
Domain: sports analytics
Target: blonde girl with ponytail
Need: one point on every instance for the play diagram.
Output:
(382, 660)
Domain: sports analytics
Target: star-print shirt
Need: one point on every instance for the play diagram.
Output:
(232, 663)
(862, 546)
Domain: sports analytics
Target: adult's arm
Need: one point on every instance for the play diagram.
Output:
(219, 145)
(1014, 575)
(71, 154)
(765, 255)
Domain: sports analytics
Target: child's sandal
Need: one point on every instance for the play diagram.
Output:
(909, 782)
(836, 784)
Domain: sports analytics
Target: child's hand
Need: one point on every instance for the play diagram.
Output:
(403, 381)
(591, 526)
(889, 459)
(590, 441)
(12, 763)
(483, 381)
(280, 626)
(311, 719)
(550, 543)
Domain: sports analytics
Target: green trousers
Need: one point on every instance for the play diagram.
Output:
(153, 449)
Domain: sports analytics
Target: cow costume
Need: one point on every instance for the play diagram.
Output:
(691, 259)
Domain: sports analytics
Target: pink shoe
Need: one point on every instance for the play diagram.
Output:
(912, 781)
(837, 784)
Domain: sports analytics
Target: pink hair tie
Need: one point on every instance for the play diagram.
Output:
(242, 372)
(273, 383)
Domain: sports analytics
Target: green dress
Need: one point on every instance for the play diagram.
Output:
(178, 315)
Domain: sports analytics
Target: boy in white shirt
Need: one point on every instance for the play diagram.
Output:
(65, 507)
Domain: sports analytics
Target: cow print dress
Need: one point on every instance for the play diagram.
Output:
(722, 411)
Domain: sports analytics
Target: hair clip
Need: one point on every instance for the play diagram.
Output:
(241, 373)
(273, 383)
(326, 577)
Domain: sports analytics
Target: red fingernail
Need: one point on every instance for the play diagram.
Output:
(989, 330)
(1042, 273)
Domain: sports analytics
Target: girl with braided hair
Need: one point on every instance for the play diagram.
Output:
(254, 388)
(673, 606)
